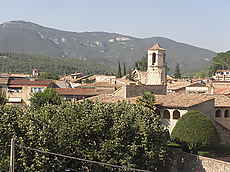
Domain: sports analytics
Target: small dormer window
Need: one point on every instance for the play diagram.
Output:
(153, 58)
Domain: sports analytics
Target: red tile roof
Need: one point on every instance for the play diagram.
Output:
(169, 100)
(4, 81)
(77, 91)
(25, 82)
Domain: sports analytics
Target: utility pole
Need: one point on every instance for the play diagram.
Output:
(12, 154)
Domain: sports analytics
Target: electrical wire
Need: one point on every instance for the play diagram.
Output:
(84, 160)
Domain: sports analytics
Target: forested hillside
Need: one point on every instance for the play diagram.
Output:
(103, 47)
(23, 63)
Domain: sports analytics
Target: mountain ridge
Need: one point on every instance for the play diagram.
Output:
(104, 47)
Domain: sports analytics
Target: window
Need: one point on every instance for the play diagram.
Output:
(15, 89)
(153, 58)
(226, 114)
(218, 113)
(176, 114)
(37, 89)
(166, 114)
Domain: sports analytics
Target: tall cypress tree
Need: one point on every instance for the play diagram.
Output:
(124, 68)
(119, 70)
(177, 73)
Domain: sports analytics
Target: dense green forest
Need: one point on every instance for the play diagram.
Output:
(24, 63)
(221, 61)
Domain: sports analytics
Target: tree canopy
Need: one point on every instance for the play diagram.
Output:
(48, 96)
(194, 130)
(24, 63)
(177, 73)
(221, 61)
(120, 133)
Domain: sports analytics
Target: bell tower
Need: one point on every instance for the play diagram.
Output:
(156, 66)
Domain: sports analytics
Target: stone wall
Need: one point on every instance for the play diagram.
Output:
(207, 108)
(138, 90)
(184, 162)
(223, 132)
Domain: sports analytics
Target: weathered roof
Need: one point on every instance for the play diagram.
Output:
(99, 84)
(157, 47)
(221, 100)
(26, 82)
(62, 84)
(169, 100)
(181, 100)
(77, 91)
(178, 85)
(111, 98)
(4, 81)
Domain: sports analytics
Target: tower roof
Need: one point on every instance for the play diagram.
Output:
(156, 47)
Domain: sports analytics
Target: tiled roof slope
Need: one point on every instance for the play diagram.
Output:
(24, 82)
(221, 100)
(169, 100)
(4, 81)
(181, 100)
(77, 91)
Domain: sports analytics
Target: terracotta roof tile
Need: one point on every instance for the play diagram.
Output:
(181, 100)
(77, 91)
(170, 100)
(221, 100)
(29, 82)
(4, 81)
(178, 85)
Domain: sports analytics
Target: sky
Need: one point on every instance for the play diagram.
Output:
(202, 23)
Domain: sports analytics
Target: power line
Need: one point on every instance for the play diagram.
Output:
(84, 160)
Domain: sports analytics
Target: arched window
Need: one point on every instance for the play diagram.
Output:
(218, 113)
(176, 114)
(166, 114)
(153, 58)
(226, 114)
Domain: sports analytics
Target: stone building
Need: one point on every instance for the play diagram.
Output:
(19, 91)
(153, 80)
(155, 74)
(222, 75)
(171, 107)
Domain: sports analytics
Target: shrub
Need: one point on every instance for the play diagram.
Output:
(194, 130)
(48, 96)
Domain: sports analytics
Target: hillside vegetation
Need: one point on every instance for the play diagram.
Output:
(105, 48)
(221, 61)
(23, 63)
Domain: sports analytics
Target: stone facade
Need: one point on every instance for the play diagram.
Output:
(184, 162)
(170, 115)
(105, 78)
(156, 66)
(128, 91)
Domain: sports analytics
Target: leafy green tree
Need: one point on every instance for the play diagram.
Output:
(193, 131)
(116, 133)
(147, 100)
(124, 69)
(221, 61)
(177, 73)
(48, 96)
(119, 75)
(142, 63)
